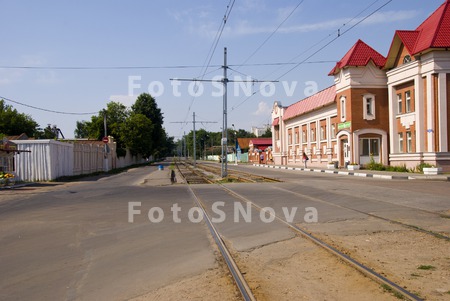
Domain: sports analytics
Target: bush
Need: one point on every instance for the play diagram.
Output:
(421, 166)
(378, 166)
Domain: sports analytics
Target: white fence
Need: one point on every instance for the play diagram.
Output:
(47, 160)
(50, 159)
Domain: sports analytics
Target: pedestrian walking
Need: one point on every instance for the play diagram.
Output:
(305, 159)
(172, 176)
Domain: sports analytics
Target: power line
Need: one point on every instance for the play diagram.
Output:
(152, 67)
(339, 34)
(46, 110)
(272, 34)
(212, 51)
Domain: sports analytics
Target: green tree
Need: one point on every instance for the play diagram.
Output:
(15, 123)
(136, 135)
(82, 129)
(146, 105)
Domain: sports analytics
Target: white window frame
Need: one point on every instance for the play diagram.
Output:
(322, 133)
(343, 108)
(409, 142)
(333, 131)
(399, 104)
(400, 143)
(313, 135)
(407, 59)
(407, 101)
(369, 112)
(304, 137)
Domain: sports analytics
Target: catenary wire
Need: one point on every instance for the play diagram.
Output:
(46, 110)
(340, 34)
(211, 52)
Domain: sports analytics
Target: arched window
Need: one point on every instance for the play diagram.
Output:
(406, 59)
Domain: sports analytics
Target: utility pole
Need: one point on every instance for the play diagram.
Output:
(224, 119)
(195, 141)
(225, 82)
(106, 167)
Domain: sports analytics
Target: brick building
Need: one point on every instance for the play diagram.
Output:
(394, 110)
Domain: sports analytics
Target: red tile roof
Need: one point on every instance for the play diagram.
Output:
(435, 30)
(261, 141)
(316, 101)
(409, 38)
(359, 55)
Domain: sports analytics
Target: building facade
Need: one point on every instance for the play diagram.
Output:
(392, 110)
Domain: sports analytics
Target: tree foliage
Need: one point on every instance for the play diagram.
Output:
(210, 141)
(139, 129)
(15, 123)
(136, 135)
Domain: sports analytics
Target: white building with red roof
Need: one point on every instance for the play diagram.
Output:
(391, 110)
(418, 72)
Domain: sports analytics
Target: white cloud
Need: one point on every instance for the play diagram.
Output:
(48, 77)
(245, 28)
(10, 76)
(126, 100)
(263, 109)
(251, 5)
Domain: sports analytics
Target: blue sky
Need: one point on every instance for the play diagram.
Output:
(46, 34)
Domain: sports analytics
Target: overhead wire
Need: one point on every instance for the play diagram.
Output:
(46, 110)
(338, 34)
(211, 52)
(271, 35)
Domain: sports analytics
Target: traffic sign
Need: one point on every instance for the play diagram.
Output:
(105, 139)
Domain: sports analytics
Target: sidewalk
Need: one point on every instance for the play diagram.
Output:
(362, 173)
(162, 177)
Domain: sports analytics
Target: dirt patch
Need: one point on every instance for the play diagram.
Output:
(419, 262)
(296, 269)
(210, 285)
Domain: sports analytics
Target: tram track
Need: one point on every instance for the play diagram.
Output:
(408, 226)
(240, 279)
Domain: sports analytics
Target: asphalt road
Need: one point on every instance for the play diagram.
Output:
(75, 241)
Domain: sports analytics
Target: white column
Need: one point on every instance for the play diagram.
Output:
(418, 104)
(442, 113)
(430, 113)
(393, 137)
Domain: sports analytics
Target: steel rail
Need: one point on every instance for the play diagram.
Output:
(352, 262)
(239, 279)
(415, 228)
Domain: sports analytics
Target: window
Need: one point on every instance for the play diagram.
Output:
(369, 106)
(406, 59)
(333, 131)
(323, 135)
(370, 147)
(408, 101)
(400, 106)
(296, 137)
(304, 136)
(408, 142)
(313, 134)
(400, 143)
(343, 109)
(289, 138)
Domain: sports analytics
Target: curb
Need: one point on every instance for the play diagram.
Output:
(16, 186)
(358, 174)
